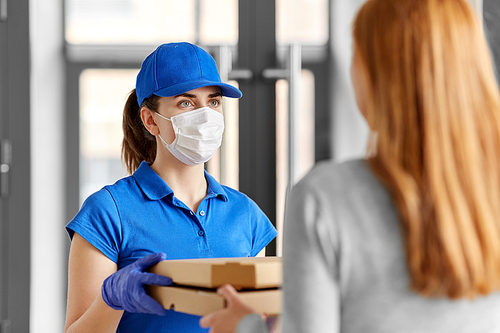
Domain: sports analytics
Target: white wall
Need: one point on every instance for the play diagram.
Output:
(350, 132)
(48, 255)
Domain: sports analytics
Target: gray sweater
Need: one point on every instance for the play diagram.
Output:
(344, 263)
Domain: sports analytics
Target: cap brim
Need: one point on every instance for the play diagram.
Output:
(227, 90)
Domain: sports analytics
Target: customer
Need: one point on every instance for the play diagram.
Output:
(409, 239)
(168, 208)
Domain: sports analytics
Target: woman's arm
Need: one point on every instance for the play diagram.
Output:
(311, 295)
(236, 317)
(86, 310)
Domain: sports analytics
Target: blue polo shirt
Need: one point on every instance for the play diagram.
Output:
(140, 214)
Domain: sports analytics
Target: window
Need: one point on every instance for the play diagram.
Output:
(206, 22)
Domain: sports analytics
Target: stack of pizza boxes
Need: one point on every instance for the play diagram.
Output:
(196, 280)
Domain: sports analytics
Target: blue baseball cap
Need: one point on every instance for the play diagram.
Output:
(175, 68)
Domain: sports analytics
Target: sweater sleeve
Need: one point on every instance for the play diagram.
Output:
(252, 323)
(310, 263)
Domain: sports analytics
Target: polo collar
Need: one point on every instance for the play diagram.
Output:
(214, 188)
(155, 188)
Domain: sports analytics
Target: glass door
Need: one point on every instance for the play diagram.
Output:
(285, 46)
(106, 41)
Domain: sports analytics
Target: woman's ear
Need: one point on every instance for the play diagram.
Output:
(149, 121)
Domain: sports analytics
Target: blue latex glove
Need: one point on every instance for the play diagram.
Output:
(124, 289)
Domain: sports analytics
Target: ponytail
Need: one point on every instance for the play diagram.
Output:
(138, 144)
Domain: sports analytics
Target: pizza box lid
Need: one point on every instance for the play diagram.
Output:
(241, 273)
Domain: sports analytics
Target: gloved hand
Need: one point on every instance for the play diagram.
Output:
(124, 289)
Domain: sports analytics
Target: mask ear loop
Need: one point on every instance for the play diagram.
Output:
(175, 140)
(162, 116)
(166, 144)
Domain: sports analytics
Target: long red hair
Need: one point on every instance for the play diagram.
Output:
(435, 105)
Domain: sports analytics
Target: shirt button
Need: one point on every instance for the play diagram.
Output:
(200, 233)
(202, 213)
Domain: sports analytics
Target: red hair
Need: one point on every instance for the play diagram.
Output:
(435, 104)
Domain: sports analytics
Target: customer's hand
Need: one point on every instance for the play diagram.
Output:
(124, 289)
(227, 319)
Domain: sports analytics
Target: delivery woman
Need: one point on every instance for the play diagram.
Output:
(169, 207)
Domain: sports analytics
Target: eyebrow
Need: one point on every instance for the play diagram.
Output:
(217, 94)
(185, 95)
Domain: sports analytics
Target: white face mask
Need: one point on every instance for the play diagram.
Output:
(198, 135)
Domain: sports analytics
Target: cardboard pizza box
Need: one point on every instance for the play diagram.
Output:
(241, 273)
(204, 301)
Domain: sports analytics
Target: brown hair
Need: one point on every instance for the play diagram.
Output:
(138, 144)
(435, 105)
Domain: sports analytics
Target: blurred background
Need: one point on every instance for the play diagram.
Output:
(66, 68)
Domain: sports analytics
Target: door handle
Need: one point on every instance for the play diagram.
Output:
(292, 73)
(5, 161)
(226, 70)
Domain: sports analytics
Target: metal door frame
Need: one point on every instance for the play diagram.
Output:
(15, 176)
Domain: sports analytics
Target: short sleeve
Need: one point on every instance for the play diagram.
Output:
(98, 222)
(263, 230)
